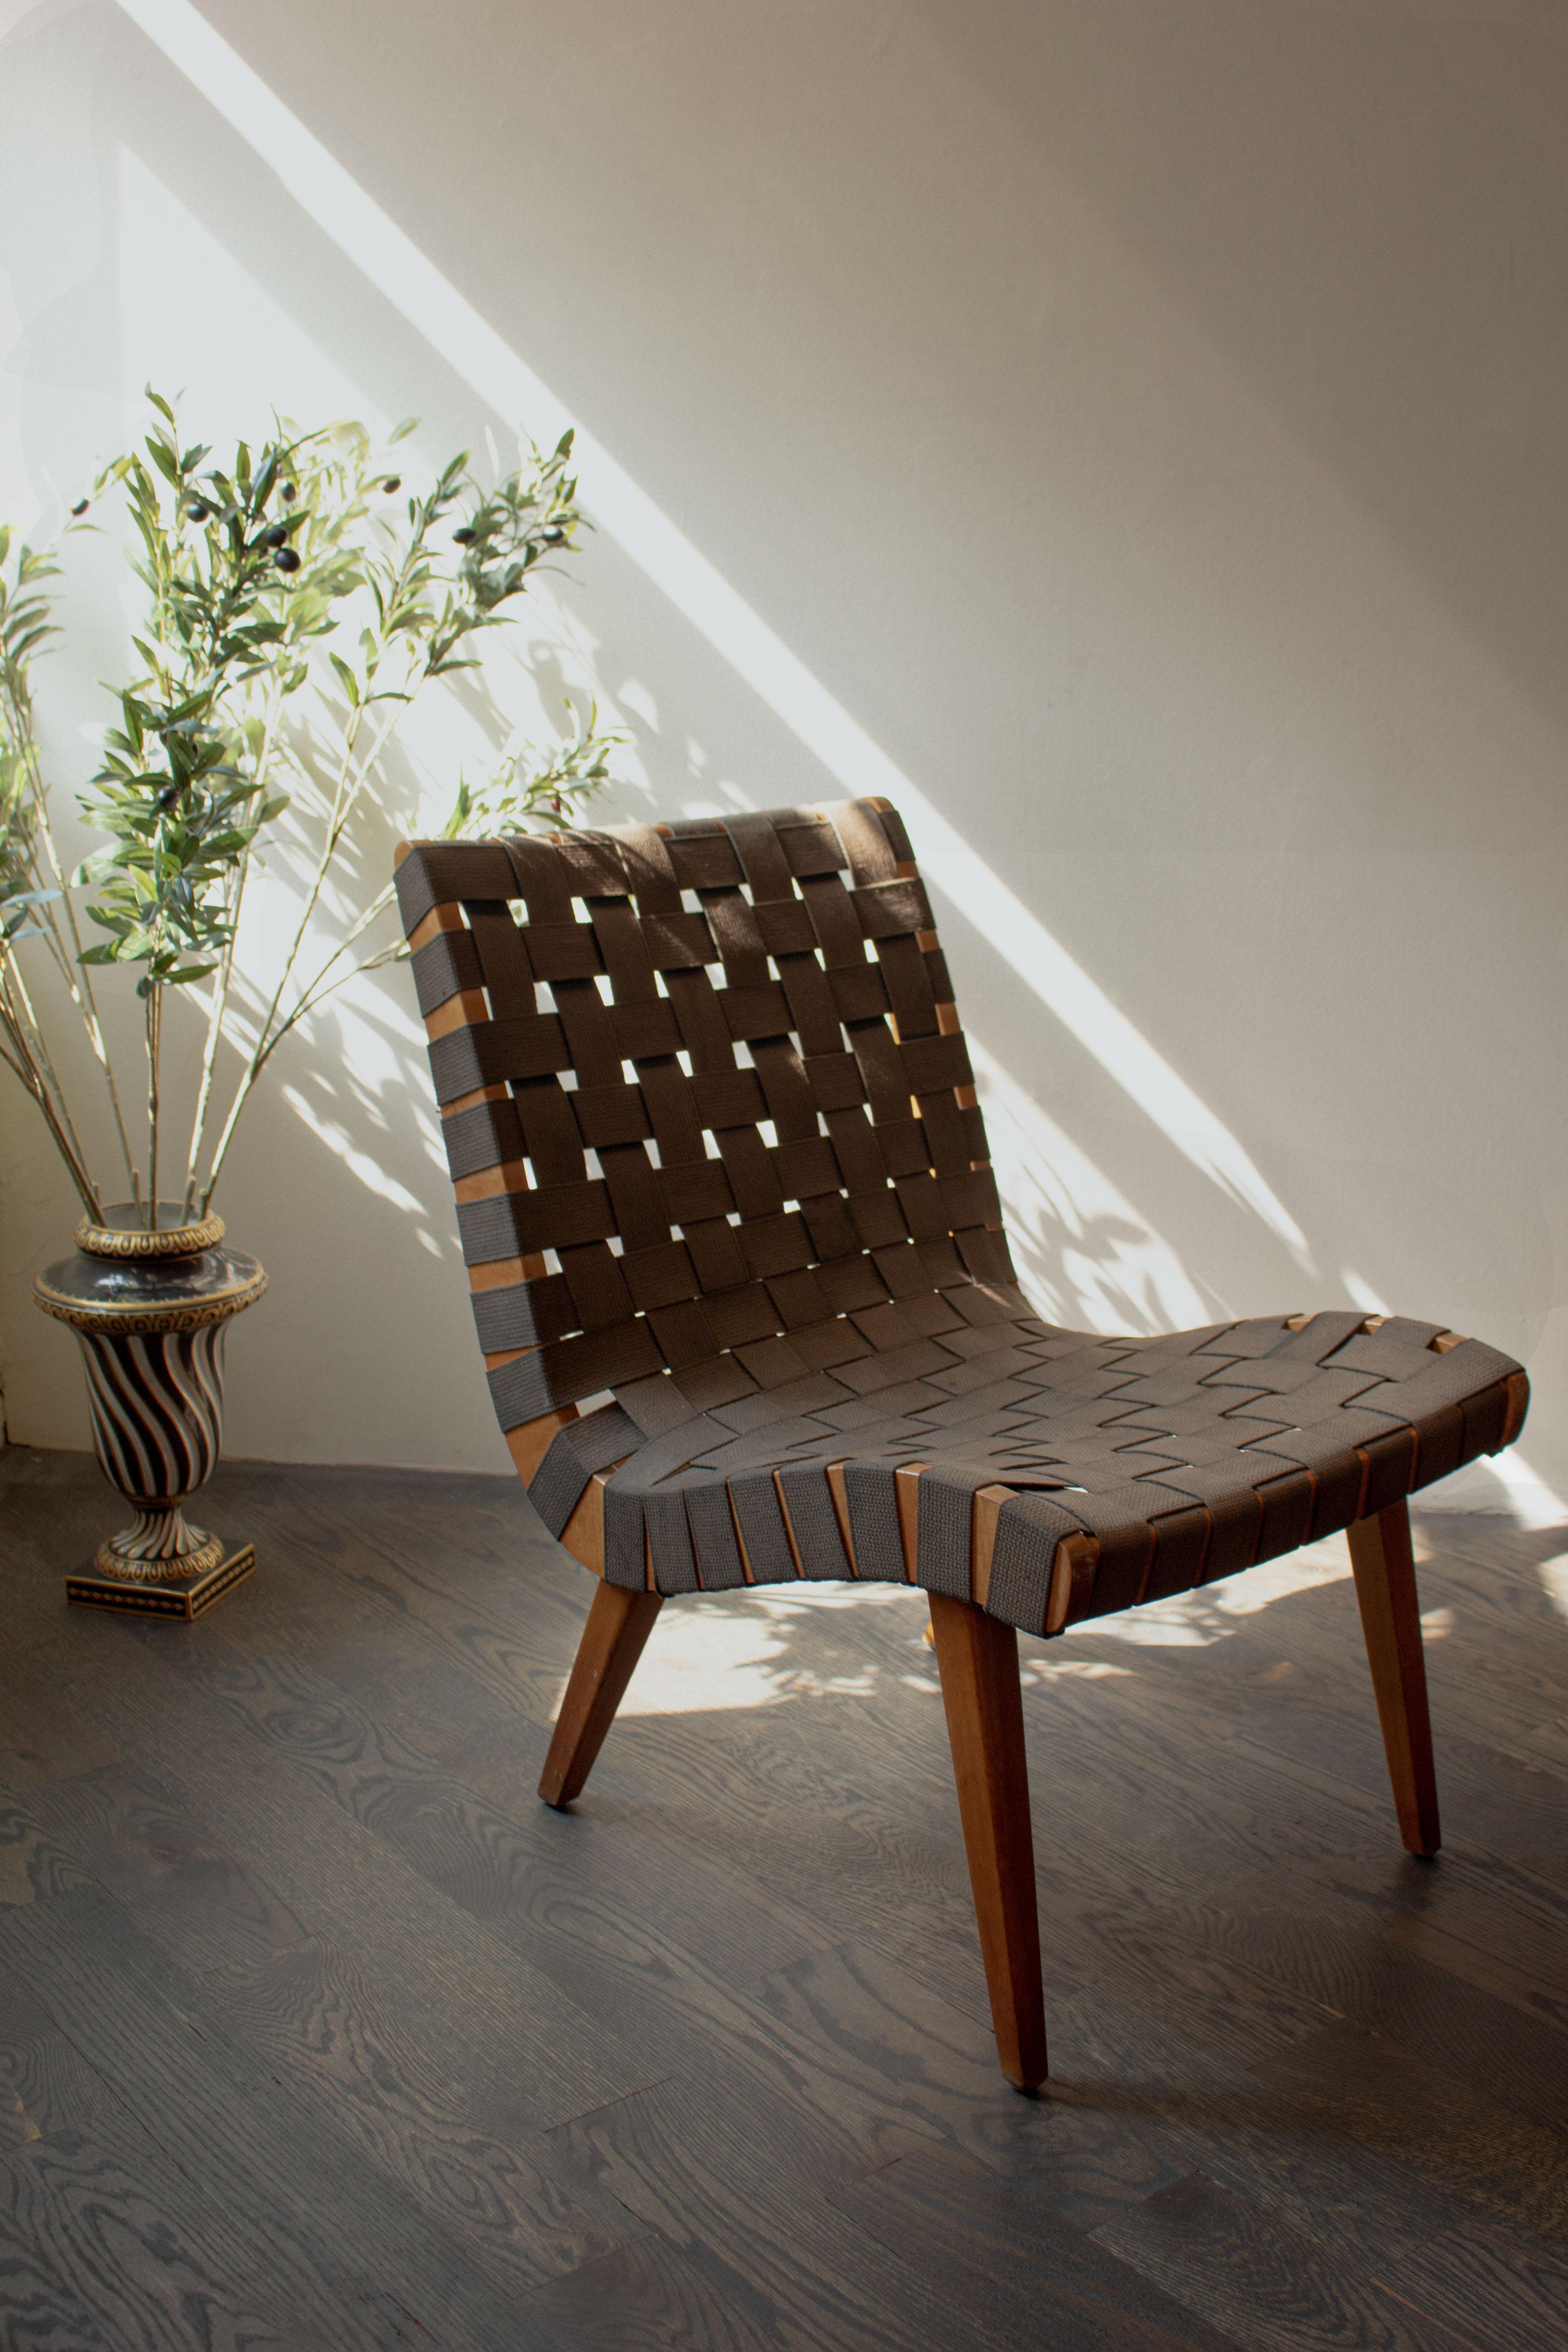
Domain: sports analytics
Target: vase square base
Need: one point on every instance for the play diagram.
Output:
(184, 1597)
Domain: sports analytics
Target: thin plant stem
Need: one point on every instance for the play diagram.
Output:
(321, 988)
(224, 977)
(215, 1011)
(21, 1060)
(29, 1031)
(343, 800)
(154, 1002)
(72, 969)
(44, 1093)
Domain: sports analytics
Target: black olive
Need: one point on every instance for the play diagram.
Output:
(291, 492)
(464, 538)
(277, 537)
(287, 559)
(198, 512)
(168, 796)
(392, 482)
(80, 506)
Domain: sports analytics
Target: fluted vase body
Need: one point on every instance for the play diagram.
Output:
(152, 1310)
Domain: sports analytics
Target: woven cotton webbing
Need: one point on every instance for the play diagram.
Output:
(723, 1180)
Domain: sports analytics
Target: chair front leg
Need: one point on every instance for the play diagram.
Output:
(619, 1622)
(977, 1657)
(1390, 1619)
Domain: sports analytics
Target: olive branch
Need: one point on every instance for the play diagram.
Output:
(295, 606)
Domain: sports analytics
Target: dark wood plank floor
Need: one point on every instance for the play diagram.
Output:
(318, 2030)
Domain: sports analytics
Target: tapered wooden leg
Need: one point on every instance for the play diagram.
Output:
(977, 1657)
(1390, 1620)
(618, 1625)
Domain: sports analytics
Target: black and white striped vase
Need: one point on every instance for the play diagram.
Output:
(150, 1310)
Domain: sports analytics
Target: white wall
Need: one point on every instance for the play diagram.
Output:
(1138, 423)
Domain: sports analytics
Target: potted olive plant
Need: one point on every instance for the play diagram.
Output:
(295, 603)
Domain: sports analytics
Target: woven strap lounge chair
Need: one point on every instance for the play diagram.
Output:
(746, 1304)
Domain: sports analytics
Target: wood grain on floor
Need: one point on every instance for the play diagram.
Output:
(316, 2029)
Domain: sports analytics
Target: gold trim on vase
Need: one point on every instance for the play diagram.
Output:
(125, 1321)
(137, 1242)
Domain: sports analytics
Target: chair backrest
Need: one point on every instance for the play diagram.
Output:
(704, 1097)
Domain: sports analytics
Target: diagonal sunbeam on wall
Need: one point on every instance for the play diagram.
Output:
(410, 282)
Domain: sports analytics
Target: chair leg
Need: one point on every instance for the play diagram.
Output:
(977, 1657)
(1390, 1620)
(619, 1622)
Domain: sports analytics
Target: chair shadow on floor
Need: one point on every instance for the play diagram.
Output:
(1211, 1796)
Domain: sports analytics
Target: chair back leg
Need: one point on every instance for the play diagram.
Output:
(977, 1657)
(1390, 1619)
(618, 1625)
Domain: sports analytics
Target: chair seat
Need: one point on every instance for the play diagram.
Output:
(761, 1221)
(1174, 1459)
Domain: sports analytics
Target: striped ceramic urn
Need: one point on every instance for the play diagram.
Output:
(150, 1310)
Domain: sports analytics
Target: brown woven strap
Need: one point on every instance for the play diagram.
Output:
(722, 1181)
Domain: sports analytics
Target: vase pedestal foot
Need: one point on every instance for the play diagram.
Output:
(164, 1595)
